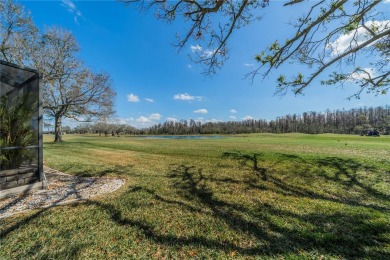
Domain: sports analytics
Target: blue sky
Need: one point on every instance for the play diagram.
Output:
(155, 83)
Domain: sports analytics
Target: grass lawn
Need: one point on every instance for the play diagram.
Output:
(246, 196)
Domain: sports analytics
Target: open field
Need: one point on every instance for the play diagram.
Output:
(245, 196)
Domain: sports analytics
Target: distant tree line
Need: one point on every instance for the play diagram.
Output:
(104, 129)
(353, 121)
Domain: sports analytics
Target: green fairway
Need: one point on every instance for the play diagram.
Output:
(245, 196)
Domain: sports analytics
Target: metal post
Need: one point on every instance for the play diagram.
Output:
(40, 127)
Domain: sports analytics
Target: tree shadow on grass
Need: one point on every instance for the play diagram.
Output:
(152, 232)
(343, 234)
(345, 172)
(333, 170)
(273, 231)
(244, 158)
(71, 250)
(166, 200)
(118, 170)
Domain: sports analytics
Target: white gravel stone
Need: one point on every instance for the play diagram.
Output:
(62, 188)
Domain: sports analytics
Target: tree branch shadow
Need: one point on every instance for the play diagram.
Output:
(326, 236)
(349, 169)
(344, 235)
(341, 167)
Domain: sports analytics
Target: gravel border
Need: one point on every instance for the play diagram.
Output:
(62, 189)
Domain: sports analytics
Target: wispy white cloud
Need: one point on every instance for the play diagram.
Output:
(232, 117)
(205, 53)
(201, 111)
(171, 119)
(233, 111)
(248, 64)
(132, 98)
(155, 116)
(196, 48)
(72, 9)
(208, 53)
(387, 1)
(366, 73)
(357, 37)
(149, 100)
(143, 120)
(189, 66)
(146, 121)
(186, 97)
(247, 118)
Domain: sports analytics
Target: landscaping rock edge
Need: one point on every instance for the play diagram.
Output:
(62, 189)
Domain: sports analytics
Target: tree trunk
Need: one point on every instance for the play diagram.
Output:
(58, 129)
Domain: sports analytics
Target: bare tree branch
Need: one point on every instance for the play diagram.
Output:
(211, 24)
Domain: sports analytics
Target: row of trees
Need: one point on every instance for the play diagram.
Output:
(354, 121)
(106, 129)
(70, 88)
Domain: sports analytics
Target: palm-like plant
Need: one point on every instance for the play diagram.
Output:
(15, 131)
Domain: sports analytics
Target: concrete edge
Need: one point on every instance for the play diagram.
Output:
(22, 189)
